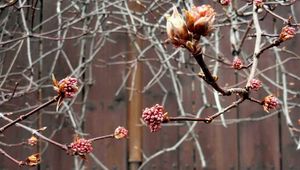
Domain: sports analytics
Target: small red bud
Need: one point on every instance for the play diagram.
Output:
(237, 63)
(270, 102)
(255, 84)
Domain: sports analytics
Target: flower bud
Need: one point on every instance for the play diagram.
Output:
(255, 84)
(176, 29)
(200, 19)
(33, 160)
(270, 102)
(237, 63)
(80, 147)
(120, 132)
(287, 33)
(32, 141)
(153, 117)
(66, 87)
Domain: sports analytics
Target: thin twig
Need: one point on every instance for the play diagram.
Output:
(11, 158)
(36, 133)
(102, 137)
(208, 76)
(181, 118)
(23, 117)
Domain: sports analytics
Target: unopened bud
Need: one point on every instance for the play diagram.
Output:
(287, 33)
(200, 19)
(176, 29)
(32, 141)
(270, 102)
(33, 160)
(237, 63)
(120, 132)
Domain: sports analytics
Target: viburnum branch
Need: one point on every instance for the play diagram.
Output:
(220, 59)
(239, 48)
(238, 90)
(275, 15)
(257, 45)
(11, 158)
(208, 119)
(233, 105)
(13, 144)
(25, 116)
(181, 118)
(36, 133)
(208, 77)
(102, 137)
(255, 100)
(11, 96)
(275, 43)
(156, 115)
(13, 92)
(82, 147)
(8, 3)
(30, 161)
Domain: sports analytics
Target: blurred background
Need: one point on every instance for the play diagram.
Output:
(117, 50)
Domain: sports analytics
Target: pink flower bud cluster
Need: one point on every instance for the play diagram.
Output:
(120, 132)
(287, 33)
(270, 102)
(153, 117)
(81, 146)
(255, 84)
(67, 87)
(237, 63)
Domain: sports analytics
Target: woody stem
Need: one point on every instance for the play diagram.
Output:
(208, 76)
(181, 118)
(208, 119)
(10, 157)
(101, 137)
(36, 133)
(23, 117)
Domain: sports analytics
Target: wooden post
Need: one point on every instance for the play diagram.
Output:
(135, 84)
(133, 117)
